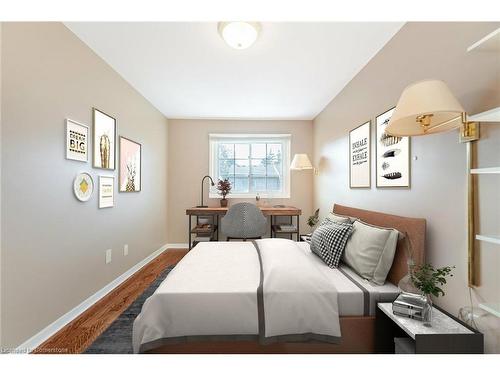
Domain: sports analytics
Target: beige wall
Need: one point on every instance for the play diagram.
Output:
(438, 192)
(188, 151)
(53, 245)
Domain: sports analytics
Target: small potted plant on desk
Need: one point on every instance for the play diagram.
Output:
(224, 187)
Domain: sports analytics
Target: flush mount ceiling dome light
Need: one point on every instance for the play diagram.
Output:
(239, 35)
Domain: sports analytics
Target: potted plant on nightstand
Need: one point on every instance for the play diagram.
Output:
(429, 281)
(224, 187)
(313, 220)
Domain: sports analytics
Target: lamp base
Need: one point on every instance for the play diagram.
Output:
(201, 206)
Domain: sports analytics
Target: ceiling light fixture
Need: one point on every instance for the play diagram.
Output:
(239, 35)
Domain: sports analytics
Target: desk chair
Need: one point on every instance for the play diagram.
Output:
(244, 221)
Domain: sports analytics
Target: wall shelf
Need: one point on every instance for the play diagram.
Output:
(490, 43)
(491, 170)
(492, 308)
(488, 238)
(491, 115)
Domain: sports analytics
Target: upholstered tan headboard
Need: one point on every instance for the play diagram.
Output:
(414, 228)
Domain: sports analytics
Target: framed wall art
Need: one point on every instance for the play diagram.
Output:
(359, 156)
(392, 155)
(106, 191)
(130, 165)
(77, 141)
(104, 140)
(83, 186)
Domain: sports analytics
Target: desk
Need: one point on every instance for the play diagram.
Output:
(216, 212)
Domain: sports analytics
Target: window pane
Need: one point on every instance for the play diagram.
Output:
(226, 167)
(258, 167)
(226, 150)
(241, 150)
(242, 168)
(258, 150)
(273, 184)
(258, 184)
(274, 169)
(274, 151)
(240, 185)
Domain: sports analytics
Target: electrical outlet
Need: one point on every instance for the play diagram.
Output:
(108, 255)
(125, 250)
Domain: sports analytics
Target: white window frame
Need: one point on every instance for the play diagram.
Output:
(284, 139)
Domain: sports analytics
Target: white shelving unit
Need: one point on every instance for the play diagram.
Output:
(491, 115)
(491, 170)
(488, 238)
(492, 308)
(490, 43)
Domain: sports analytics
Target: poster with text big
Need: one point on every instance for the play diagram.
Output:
(359, 156)
(393, 155)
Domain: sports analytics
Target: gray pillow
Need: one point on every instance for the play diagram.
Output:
(329, 240)
(370, 251)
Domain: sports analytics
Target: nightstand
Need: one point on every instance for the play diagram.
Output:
(446, 334)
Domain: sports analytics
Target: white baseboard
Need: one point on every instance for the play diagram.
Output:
(177, 245)
(35, 341)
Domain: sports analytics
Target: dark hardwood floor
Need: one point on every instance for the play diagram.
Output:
(76, 336)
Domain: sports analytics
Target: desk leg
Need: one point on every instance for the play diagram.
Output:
(271, 228)
(218, 227)
(189, 231)
(298, 228)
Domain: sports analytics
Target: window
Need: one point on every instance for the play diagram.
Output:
(254, 163)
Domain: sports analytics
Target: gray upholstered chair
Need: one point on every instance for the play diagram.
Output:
(243, 221)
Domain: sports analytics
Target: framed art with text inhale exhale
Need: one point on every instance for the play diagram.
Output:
(392, 155)
(359, 156)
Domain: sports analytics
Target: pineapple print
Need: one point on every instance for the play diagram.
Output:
(130, 186)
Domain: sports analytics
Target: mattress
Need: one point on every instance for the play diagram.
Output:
(356, 296)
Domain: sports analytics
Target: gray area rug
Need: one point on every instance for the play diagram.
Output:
(117, 339)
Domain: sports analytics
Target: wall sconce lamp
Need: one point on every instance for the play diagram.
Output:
(429, 107)
(301, 162)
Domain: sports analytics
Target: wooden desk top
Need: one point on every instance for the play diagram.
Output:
(266, 210)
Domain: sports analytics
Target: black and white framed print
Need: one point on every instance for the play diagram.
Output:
(77, 141)
(104, 140)
(392, 155)
(359, 156)
(106, 191)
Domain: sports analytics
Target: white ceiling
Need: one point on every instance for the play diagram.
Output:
(186, 70)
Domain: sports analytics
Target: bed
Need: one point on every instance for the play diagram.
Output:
(270, 296)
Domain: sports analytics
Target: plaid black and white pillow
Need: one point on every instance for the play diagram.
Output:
(329, 240)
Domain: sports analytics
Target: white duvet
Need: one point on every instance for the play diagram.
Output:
(219, 291)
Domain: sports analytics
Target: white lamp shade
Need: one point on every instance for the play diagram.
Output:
(430, 97)
(301, 162)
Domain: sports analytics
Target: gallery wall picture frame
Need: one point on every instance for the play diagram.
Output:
(392, 155)
(83, 186)
(106, 191)
(360, 156)
(77, 141)
(104, 140)
(130, 166)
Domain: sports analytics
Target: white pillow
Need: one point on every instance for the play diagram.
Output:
(370, 251)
